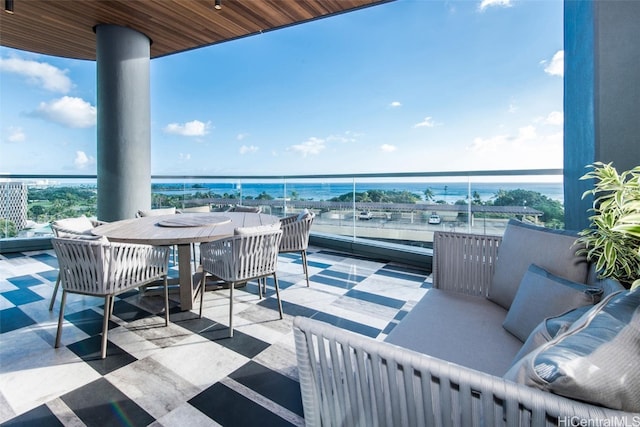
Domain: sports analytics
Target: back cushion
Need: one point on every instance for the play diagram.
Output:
(157, 212)
(197, 209)
(541, 295)
(595, 361)
(69, 226)
(243, 231)
(303, 215)
(249, 209)
(523, 245)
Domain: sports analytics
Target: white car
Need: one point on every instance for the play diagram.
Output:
(434, 219)
(365, 215)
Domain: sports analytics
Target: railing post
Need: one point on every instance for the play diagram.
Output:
(354, 208)
(469, 204)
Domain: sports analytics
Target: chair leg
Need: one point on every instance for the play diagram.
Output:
(111, 305)
(108, 309)
(260, 288)
(61, 318)
(203, 287)
(193, 254)
(166, 301)
(55, 292)
(305, 266)
(275, 279)
(231, 286)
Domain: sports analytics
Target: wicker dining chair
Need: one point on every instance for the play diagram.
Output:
(159, 212)
(295, 236)
(252, 253)
(194, 209)
(104, 269)
(75, 228)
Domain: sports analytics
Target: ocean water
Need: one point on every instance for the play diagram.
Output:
(450, 192)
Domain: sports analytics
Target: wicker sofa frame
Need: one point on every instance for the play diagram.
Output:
(348, 379)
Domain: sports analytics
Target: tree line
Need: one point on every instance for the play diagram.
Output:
(51, 203)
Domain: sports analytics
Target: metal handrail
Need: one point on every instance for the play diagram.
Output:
(476, 173)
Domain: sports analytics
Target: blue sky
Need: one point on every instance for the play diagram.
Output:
(408, 86)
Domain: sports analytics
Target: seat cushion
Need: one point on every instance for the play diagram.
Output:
(459, 328)
(523, 245)
(541, 295)
(596, 360)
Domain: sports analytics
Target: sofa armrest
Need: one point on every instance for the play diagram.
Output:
(350, 379)
(464, 262)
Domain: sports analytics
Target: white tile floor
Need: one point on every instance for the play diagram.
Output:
(189, 373)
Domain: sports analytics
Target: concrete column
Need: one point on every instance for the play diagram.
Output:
(602, 95)
(124, 141)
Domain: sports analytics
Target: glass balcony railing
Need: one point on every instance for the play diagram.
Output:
(405, 208)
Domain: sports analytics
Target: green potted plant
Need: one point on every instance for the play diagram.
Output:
(613, 239)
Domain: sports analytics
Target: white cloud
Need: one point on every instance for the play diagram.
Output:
(68, 111)
(513, 108)
(82, 161)
(526, 133)
(16, 135)
(184, 156)
(427, 122)
(525, 148)
(388, 148)
(395, 104)
(501, 143)
(555, 118)
(241, 136)
(192, 128)
(491, 144)
(40, 73)
(491, 3)
(348, 136)
(248, 149)
(312, 146)
(556, 66)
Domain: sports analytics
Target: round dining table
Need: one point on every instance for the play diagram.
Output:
(182, 230)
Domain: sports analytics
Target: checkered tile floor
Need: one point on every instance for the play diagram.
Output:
(189, 373)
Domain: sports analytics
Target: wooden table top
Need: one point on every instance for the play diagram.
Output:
(164, 230)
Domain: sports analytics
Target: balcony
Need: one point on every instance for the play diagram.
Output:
(363, 278)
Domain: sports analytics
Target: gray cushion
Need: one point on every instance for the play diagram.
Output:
(541, 295)
(596, 360)
(523, 245)
(459, 328)
(548, 329)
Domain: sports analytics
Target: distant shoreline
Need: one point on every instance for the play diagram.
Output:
(449, 192)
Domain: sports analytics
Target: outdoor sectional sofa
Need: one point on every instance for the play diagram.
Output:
(517, 330)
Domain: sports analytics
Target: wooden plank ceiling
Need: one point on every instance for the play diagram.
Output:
(65, 27)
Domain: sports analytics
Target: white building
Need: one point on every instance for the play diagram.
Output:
(13, 203)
